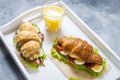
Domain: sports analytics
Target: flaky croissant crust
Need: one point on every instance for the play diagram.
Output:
(78, 48)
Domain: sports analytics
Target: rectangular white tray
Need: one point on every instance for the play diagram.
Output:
(72, 25)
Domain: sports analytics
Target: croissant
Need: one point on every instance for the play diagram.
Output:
(78, 48)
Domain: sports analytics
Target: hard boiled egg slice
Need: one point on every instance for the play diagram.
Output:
(79, 61)
(72, 55)
(63, 53)
(97, 68)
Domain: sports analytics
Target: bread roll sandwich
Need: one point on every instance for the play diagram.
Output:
(28, 40)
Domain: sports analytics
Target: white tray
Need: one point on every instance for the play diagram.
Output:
(72, 25)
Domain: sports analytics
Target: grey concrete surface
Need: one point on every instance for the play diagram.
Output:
(102, 16)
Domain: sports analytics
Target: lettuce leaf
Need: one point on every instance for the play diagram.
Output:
(18, 49)
(95, 50)
(30, 64)
(71, 78)
(44, 55)
(54, 42)
(33, 24)
(14, 41)
(60, 57)
(71, 37)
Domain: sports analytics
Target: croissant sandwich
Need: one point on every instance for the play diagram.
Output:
(28, 40)
(78, 53)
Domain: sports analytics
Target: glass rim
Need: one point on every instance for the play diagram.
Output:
(45, 14)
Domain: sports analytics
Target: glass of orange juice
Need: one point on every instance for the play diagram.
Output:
(53, 16)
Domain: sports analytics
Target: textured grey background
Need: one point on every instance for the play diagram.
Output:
(102, 16)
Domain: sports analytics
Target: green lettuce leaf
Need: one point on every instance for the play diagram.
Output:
(54, 42)
(44, 55)
(18, 49)
(14, 41)
(30, 64)
(71, 78)
(33, 24)
(95, 50)
(71, 37)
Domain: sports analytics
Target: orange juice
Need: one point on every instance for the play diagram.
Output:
(53, 16)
